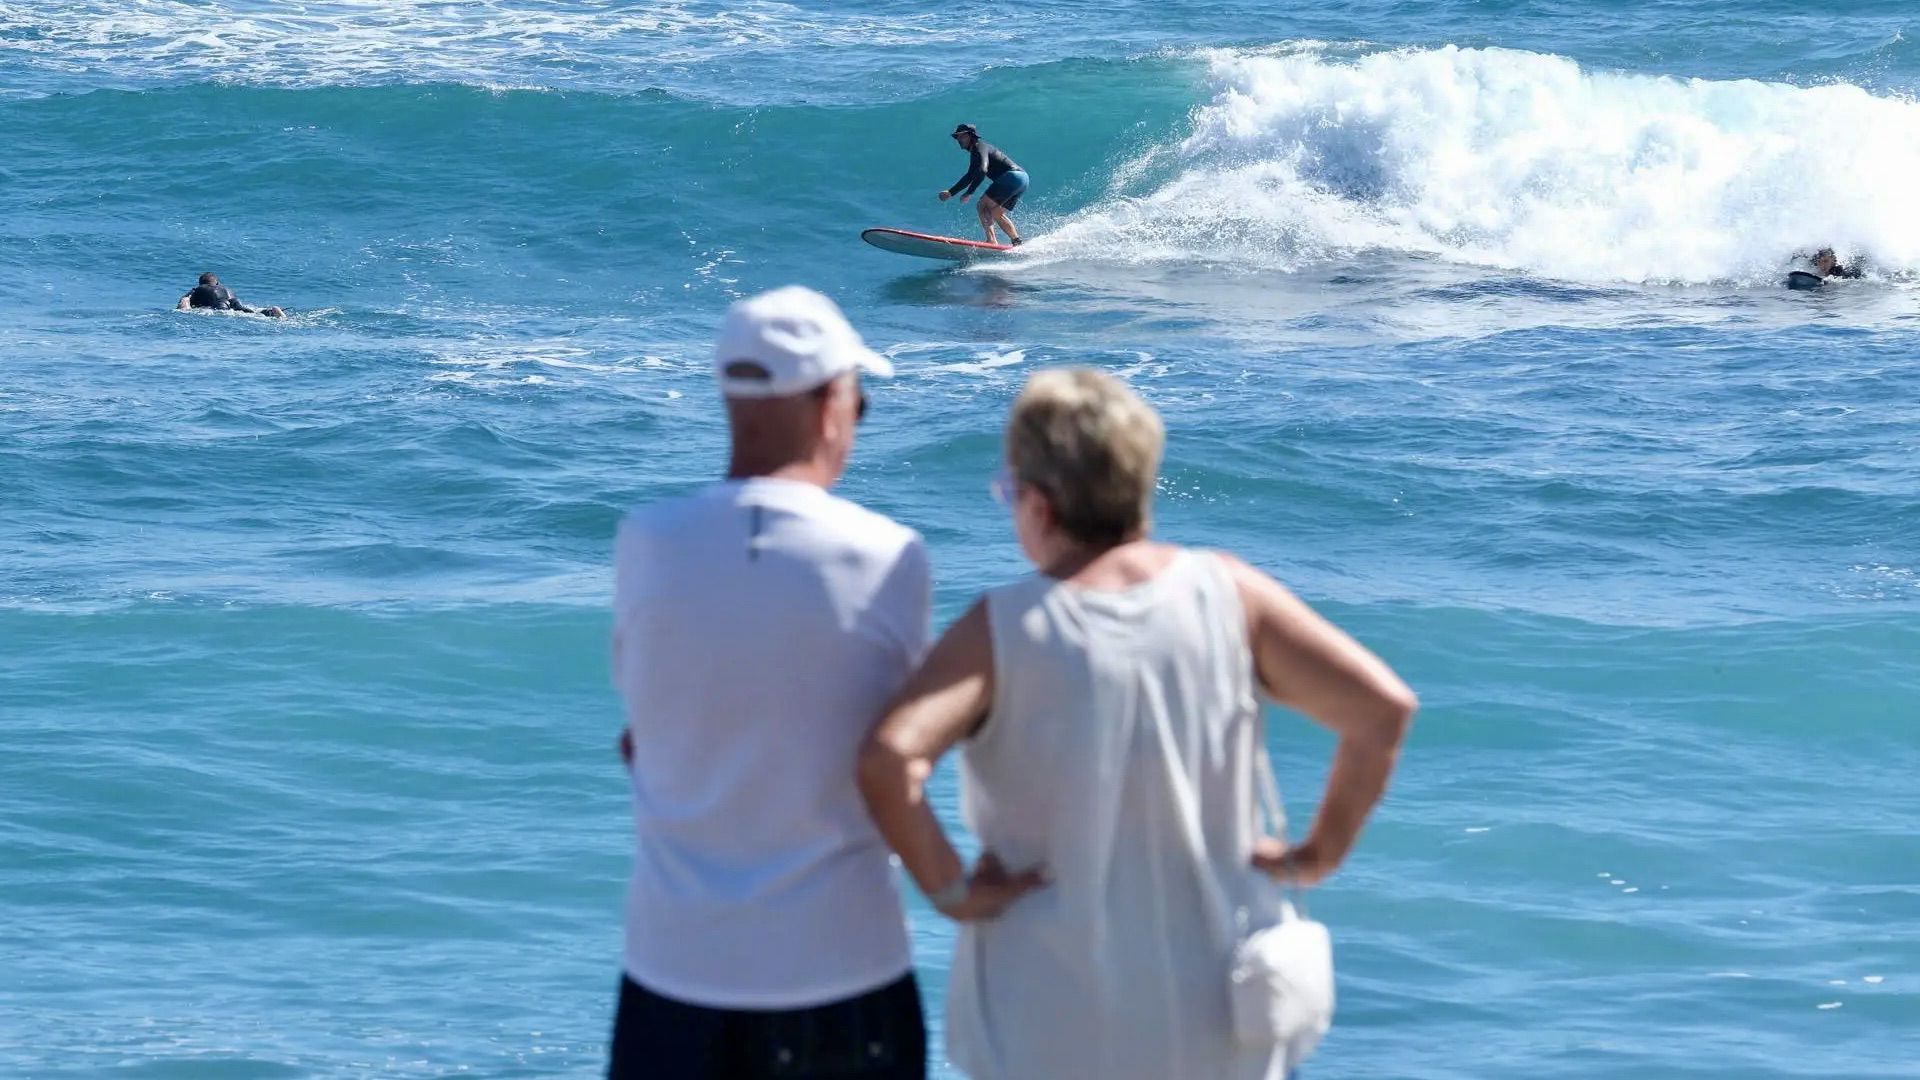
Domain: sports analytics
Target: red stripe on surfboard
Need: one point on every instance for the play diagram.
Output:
(954, 240)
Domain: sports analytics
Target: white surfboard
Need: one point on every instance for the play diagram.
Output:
(927, 246)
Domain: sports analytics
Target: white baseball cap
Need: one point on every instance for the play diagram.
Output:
(797, 337)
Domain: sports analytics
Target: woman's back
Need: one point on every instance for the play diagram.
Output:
(1117, 969)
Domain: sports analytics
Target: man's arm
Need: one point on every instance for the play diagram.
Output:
(629, 556)
(976, 172)
(185, 304)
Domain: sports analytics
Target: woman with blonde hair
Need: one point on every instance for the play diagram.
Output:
(1105, 702)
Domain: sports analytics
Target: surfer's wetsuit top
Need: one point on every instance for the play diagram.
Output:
(217, 297)
(991, 163)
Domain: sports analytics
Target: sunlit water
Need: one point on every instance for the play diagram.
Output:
(1465, 319)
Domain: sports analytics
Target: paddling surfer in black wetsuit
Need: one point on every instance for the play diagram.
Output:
(1007, 182)
(211, 294)
(1827, 265)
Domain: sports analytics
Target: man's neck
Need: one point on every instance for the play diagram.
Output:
(802, 472)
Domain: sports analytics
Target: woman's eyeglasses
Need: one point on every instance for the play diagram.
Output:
(1005, 486)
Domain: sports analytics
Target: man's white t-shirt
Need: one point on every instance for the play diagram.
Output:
(760, 628)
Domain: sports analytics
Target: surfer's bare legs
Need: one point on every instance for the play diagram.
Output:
(1006, 222)
(992, 212)
(987, 209)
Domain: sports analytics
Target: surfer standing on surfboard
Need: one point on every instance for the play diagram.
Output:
(1008, 183)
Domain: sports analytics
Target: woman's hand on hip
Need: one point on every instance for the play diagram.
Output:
(992, 889)
(1305, 864)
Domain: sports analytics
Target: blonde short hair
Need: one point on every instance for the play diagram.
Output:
(1092, 446)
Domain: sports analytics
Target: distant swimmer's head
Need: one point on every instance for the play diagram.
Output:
(966, 135)
(209, 278)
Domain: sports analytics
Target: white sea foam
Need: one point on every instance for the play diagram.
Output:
(493, 364)
(984, 361)
(1514, 160)
(492, 43)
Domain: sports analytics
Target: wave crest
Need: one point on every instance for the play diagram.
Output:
(1516, 160)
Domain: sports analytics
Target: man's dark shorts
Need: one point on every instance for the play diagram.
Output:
(879, 1035)
(1007, 189)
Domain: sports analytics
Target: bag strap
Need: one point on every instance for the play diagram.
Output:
(1269, 790)
(1277, 818)
(1220, 909)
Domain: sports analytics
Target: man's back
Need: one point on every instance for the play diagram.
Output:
(760, 628)
(214, 296)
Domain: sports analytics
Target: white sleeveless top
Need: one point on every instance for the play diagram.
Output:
(1114, 971)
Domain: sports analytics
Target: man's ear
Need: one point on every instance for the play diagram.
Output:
(826, 403)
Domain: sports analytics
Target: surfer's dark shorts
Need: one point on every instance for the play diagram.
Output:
(1007, 189)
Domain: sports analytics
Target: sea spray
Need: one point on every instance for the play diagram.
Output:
(1518, 161)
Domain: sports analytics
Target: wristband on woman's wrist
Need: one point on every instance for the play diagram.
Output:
(950, 895)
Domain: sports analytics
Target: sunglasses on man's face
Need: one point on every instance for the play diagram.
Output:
(859, 406)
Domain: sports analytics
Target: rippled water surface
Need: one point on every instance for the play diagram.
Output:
(1465, 319)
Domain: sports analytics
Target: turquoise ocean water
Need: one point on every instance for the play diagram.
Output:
(1463, 316)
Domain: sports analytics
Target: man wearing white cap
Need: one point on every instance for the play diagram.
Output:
(760, 625)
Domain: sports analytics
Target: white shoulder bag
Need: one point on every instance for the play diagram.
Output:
(1280, 979)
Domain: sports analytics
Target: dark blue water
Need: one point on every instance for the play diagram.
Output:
(1465, 319)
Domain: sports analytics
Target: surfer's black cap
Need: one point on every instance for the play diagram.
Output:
(965, 129)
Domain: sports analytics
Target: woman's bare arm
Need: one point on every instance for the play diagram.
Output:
(941, 704)
(1308, 664)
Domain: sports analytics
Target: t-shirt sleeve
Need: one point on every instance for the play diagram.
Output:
(921, 626)
(629, 559)
(906, 602)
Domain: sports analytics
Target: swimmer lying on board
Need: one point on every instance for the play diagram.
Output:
(211, 294)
